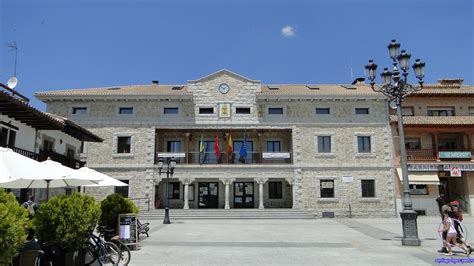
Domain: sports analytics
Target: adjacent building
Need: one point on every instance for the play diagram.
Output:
(40, 135)
(439, 135)
(240, 143)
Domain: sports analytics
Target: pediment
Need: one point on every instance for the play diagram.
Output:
(223, 72)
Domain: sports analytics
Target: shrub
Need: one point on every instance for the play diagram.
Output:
(13, 224)
(67, 220)
(114, 205)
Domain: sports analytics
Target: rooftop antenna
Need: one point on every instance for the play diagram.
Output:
(13, 81)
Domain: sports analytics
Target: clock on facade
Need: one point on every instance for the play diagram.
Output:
(224, 88)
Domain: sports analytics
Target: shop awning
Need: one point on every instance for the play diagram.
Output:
(420, 178)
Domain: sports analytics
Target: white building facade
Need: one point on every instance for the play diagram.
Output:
(326, 149)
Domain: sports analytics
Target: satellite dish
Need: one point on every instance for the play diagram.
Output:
(392, 105)
(12, 82)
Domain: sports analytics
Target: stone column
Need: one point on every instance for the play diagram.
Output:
(186, 201)
(260, 182)
(291, 181)
(227, 183)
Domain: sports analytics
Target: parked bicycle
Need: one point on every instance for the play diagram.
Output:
(104, 252)
(109, 235)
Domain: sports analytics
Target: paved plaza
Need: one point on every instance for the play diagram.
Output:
(289, 242)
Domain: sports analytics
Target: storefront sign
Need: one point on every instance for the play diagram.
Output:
(455, 171)
(439, 167)
(455, 154)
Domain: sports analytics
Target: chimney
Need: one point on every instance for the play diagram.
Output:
(358, 81)
(457, 81)
(155, 82)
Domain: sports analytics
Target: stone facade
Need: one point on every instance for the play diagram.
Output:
(296, 130)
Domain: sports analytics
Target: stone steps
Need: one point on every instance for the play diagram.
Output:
(203, 214)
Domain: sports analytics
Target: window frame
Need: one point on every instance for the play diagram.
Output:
(121, 189)
(166, 110)
(359, 151)
(410, 108)
(201, 109)
(85, 110)
(322, 108)
(358, 109)
(418, 191)
(129, 140)
(243, 108)
(275, 108)
(174, 195)
(273, 142)
(368, 194)
(321, 149)
(120, 109)
(436, 110)
(327, 189)
(411, 140)
(115, 144)
(275, 190)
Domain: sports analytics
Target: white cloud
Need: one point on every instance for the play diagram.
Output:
(288, 31)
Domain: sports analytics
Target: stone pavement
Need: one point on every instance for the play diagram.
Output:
(289, 242)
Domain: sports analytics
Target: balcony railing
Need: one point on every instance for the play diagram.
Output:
(43, 155)
(211, 158)
(431, 155)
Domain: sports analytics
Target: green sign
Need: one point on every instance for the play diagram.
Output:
(455, 154)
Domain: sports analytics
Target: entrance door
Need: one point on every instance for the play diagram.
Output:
(243, 195)
(208, 195)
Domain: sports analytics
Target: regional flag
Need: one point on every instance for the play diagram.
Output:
(201, 145)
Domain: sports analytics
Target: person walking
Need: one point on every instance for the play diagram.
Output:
(448, 227)
(443, 207)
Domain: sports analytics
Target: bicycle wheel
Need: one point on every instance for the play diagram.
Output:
(112, 253)
(125, 255)
(91, 254)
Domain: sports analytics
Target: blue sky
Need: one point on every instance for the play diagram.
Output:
(82, 44)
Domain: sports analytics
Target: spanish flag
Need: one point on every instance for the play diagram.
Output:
(230, 145)
(217, 151)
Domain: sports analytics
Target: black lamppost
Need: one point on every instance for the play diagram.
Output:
(169, 173)
(396, 89)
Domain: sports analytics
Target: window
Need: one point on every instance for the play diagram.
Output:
(48, 145)
(368, 188)
(408, 111)
(440, 111)
(322, 111)
(275, 190)
(242, 110)
(273, 146)
(79, 110)
(275, 111)
(7, 137)
(324, 144)
(70, 153)
(126, 110)
(447, 144)
(362, 111)
(173, 190)
(124, 144)
(327, 188)
(170, 110)
(418, 190)
(122, 190)
(412, 143)
(206, 110)
(174, 146)
(363, 144)
(471, 111)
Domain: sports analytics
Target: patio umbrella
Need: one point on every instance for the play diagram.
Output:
(23, 172)
(106, 180)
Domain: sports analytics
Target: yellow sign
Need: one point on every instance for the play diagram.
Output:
(224, 110)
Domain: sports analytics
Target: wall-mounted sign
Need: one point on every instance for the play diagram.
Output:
(455, 155)
(276, 155)
(347, 179)
(455, 171)
(224, 110)
(171, 154)
(439, 167)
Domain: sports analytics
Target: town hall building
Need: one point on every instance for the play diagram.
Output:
(240, 143)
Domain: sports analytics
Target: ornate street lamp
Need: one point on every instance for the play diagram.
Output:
(171, 164)
(396, 89)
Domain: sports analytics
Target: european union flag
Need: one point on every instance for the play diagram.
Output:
(243, 150)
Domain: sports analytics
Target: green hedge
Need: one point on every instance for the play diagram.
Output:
(114, 205)
(13, 224)
(67, 220)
